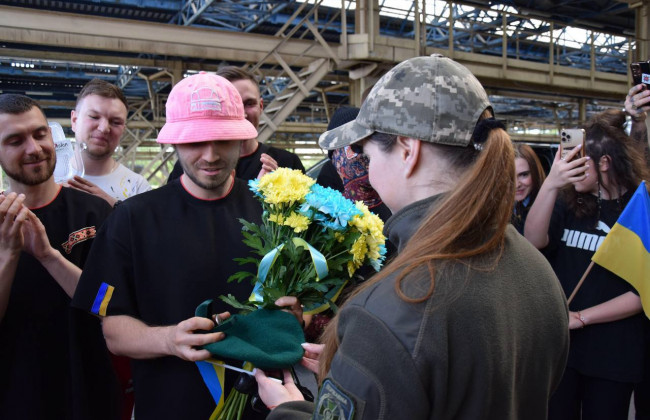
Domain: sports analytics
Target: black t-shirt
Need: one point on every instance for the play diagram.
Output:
(248, 167)
(520, 213)
(53, 359)
(612, 350)
(165, 252)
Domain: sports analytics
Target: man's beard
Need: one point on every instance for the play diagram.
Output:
(212, 183)
(34, 177)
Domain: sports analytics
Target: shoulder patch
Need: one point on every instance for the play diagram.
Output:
(104, 296)
(333, 403)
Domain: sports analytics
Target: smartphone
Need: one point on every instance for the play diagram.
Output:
(571, 138)
(641, 72)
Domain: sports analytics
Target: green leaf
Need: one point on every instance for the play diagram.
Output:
(230, 300)
(241, 275)
(272, 294)
(253, 241)
(333, 306)
(318, 286)
(333, 281)
(247, 260)
(248, 226)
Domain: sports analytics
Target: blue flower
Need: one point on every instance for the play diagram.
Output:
(254, 185)
(377, 263)
(333, 210)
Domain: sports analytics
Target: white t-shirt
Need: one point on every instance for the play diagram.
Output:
(122, 183)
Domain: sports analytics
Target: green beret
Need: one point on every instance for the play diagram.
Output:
(269, 339)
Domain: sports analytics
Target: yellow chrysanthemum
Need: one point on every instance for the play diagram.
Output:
(284, 186)
(351, 268)
(298, 222)
(359, 250)
(367, 222)
(339, 237)
(371, 227)
(276, 218)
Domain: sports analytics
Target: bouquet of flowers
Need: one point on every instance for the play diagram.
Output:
(311, 242)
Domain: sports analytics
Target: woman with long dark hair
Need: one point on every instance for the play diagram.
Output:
(529, 176)
(577, 205)
(468, 321)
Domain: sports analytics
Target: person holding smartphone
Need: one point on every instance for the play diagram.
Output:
(577, 205)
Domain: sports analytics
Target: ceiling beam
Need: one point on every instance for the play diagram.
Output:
(66, 57)
(40, 27)
(285, 127)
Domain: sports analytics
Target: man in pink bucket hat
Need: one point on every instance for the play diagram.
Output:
(162, 253)
(205, 114)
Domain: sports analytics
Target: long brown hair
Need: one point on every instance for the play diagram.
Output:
(470, 220)
(527, 153)
(537, 175)
(605, 136)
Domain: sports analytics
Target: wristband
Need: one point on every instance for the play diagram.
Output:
(582, 319)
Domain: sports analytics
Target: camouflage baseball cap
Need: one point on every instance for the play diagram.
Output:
(434, 99)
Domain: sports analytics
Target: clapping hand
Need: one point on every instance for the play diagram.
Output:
(13, 215)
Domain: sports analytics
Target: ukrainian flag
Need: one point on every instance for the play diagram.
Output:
(104, 296)
(626, 249)
(214, 377)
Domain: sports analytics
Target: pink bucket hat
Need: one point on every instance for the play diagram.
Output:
(205, 107)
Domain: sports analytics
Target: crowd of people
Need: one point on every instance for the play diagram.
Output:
(470, 318)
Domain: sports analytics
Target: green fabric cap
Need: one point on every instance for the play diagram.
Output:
(269, 339)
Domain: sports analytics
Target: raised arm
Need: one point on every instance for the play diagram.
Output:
(637, 104)
(563, 172)
(128, 336)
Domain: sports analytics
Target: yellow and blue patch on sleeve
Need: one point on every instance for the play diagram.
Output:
(101, 300)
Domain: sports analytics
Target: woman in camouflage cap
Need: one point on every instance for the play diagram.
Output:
(468, 321)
